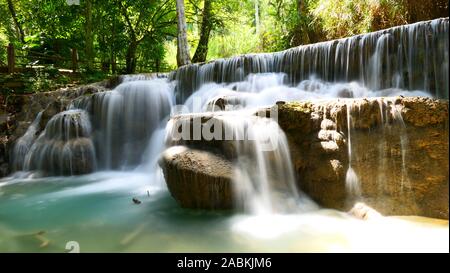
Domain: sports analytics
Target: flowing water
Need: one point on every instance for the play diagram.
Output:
(43, 215)
(121, 133)
(264, 177)
(409, 57)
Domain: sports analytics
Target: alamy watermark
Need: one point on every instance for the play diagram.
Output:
(73, 2)
(73, 247)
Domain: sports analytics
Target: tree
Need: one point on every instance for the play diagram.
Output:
(301, 31)
(12, 10)
(110, 33)
(183, 56)
(145, 20)
(257, 24)
(205, 30)
(89, 47)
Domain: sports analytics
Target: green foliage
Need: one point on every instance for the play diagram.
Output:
(142, 33)
(42, 81)
(3, 44)
(6, 25)
(53, 17)
(151, 54)
(95, 76)
(281, 19)
(233, 30)
(340, 18)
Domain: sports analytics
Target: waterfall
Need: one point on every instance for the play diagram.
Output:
(125, 119)
(410, 60)
(351, 178)
(107, 130)
(23, 144)
(264, 180)
(124, 128)
(385, 151)
(409, 57)
(399, 126)
(65, 146)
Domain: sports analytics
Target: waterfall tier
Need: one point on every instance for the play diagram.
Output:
(126, 117)
(65, 146)
(409, 57)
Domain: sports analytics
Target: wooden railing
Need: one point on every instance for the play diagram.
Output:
(72, 63)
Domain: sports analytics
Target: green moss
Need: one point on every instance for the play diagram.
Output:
(304, 107)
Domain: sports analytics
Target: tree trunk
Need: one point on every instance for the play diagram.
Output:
(183, 57)
(157, 65)
(89, 48)
(131, 58)
(257, 17)
(74, 60)
(300, 7)
(11, 58)
(202, 48)
(301, 32)
(12, 10)
(113, 48)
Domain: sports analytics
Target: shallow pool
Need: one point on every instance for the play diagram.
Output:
(97, 213)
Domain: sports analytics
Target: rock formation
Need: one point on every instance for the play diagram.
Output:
(198, 179)
(19, 111)
(397, 151)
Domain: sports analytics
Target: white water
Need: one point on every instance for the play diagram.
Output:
(264, 179)
(277, 217)
(65, 146)
(351, 178)
(127, 117)
(23, 144)
(128, 130)
(410, 57)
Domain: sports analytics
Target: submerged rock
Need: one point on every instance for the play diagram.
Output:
(198, 179)
(364, 212)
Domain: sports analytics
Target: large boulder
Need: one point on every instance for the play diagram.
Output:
(198, 179)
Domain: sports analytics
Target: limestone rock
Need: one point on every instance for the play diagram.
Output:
(198, 179)
(364, 212)
(328, 124)
(399, 152)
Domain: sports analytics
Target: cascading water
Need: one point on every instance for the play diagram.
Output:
(264, 179)
(392, 123)
(108, 130)
(24, 143)
(410, 57)
(257, 173)
(126, 118)
(351, 178)
(65, 146)
(124, 129)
